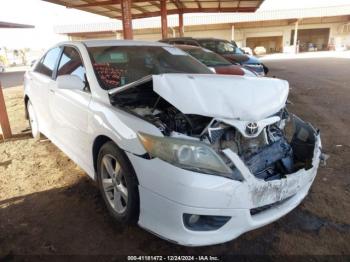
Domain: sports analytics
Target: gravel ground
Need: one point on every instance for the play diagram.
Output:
(49, 206)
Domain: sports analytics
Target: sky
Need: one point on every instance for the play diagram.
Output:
(45, 15)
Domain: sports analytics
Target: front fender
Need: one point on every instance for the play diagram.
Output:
(119, 126)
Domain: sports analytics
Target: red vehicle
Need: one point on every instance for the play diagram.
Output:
(216, 62)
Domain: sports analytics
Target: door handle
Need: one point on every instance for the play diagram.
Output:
(52, 91)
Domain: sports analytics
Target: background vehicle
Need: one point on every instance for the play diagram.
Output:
(2, 67)
(247, 50)
(228, 50)
(215, 61)
(32, 62)
(260, 50)
(192, 156)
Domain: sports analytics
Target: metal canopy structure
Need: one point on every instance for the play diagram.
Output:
(14, 25)
(144, 8)
(126, 10)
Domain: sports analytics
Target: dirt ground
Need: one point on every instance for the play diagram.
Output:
(49, 206)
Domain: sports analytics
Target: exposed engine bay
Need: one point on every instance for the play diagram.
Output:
(271, 154)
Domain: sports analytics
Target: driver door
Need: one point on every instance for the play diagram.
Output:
(70, 108)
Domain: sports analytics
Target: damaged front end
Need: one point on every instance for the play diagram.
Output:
(282, 148)
(239, 132)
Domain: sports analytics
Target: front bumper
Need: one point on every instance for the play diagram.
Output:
(167, 192)
(257, 68)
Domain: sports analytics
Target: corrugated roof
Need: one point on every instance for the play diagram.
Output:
(149, 8)
(210, 19)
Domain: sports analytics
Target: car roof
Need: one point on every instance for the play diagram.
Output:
(188, 47)
(112, 42)
(178, 38)
(193, 38)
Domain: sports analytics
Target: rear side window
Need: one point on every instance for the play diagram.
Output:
(71, 63)
(47, 64)
(178, 42)
(191, 43)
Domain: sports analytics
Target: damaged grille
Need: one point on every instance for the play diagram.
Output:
(271, 161)
(258, 210)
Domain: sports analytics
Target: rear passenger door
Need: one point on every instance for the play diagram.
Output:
(41, 84)
(70, 108)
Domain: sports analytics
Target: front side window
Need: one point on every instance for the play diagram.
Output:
(208, 45)
(207, 57)
(71, 63)
(224, 47)
(119, 65)
(47, 64)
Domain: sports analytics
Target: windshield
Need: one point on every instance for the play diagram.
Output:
(119, 65)
(207, 57)
(239, 51)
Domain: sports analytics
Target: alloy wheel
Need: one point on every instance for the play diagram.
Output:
(114, 183)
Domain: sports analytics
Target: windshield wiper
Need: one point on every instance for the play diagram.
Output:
(130, 85)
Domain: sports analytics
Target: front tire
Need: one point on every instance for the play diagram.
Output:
(266, 69)
(118, 184)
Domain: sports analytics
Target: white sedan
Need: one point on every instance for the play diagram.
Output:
(191, 156)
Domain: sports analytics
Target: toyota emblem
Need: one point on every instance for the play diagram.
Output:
(251, 128)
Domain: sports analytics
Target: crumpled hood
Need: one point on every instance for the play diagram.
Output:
(222, 96)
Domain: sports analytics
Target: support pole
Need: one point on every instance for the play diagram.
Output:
(4, 120)
(127, 19)
(181, 25)
(232, 32)
(164, 19)
(295, 43)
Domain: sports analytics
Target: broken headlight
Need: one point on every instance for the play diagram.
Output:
(186, 154)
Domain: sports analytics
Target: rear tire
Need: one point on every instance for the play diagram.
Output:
(118, 184)
(33, 121)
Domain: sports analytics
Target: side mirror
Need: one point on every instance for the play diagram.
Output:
(71, 82)
(212, 69)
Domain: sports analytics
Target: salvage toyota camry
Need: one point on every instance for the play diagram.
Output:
(191, 156)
